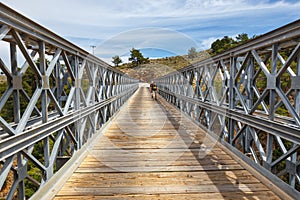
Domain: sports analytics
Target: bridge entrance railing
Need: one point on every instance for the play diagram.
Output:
(54, 96)
(249, 99)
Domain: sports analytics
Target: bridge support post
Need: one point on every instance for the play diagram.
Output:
(232, 97)
(249, 101)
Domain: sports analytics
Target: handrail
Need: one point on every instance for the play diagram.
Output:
(249, 99)
(55, 102)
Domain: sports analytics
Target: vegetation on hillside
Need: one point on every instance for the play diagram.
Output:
(221, 45)
(161, 66)
(192, 53)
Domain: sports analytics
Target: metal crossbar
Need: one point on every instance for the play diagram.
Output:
(249, 99)
(57, 100)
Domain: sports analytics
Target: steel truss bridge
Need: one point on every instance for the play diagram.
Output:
(248, 98)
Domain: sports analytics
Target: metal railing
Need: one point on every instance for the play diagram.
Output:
(50, 105)
(249, 99)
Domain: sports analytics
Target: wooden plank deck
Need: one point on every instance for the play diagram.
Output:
(152, 151)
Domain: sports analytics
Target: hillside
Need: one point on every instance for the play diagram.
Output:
(147, 72)
(161, 66)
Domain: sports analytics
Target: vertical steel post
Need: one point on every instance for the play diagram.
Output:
(232, 97)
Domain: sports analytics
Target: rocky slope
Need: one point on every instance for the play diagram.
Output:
(162, 66)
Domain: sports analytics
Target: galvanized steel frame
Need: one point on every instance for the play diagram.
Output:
(75, 94)
(225, 95)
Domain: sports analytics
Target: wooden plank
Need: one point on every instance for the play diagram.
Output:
(200, 196)
(185, 175)
(152, 151)
(173, 189)
(161, 178)
(144, 168)
(150, 159)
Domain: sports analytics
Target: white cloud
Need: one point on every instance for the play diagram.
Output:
(91, 21)
(146, 38)
(205, 44)
(4, 52)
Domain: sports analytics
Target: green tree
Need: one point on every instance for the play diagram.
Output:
(226, 43)
(241, 38)
(137, 58)
(222, 45)
(116, 60)
(192, 53)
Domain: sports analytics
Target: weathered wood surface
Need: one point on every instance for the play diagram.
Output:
(152, 151)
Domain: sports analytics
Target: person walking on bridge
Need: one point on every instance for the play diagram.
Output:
(153, 90)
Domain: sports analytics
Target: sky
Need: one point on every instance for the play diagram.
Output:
(159, 28)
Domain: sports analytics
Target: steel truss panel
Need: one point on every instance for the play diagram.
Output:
(50, 105)
(249, 98)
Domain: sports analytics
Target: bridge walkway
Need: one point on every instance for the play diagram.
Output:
(153, 151)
